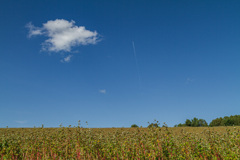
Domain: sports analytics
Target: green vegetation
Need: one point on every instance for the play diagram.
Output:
(195, 122)
(154, 124)
(226, 121)
(120, 143)
(134, 126)
(191, 140)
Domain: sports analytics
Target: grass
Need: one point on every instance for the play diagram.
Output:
(120, 143)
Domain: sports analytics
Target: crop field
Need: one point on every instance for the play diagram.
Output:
(120, 143)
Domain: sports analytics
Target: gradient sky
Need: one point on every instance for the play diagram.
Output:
(186, 62)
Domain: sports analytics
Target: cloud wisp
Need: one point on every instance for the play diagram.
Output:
(21, 122)
(103, 91)
(67, 59)
(189, 80)
(62, 35)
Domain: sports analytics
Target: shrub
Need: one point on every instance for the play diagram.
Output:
(134, 126)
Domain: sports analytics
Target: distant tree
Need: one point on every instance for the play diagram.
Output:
(134, 126)
(181, 125)
(153, 125)
(221, 121)
(236, 120)
(202, 123)
(226, 121)
(216, 122)
(188, 122)
(195, 122)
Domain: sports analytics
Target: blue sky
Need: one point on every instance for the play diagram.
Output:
(64, 61)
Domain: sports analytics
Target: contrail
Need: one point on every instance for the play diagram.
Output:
(136, 61)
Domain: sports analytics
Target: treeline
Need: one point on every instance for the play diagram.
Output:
(225, 121)
(195, 122)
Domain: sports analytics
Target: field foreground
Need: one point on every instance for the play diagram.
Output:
(120, 143)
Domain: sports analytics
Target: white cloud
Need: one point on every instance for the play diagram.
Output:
(103, 91)
(67, 59)
(189, 80)
(63, 35)
(21, 122)
(33, 30)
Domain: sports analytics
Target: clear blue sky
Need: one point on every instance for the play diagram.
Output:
(187, 61)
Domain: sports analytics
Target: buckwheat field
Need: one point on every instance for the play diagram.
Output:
(120, 143)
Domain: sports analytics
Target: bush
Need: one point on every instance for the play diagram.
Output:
(153, 125)
(134, 126)
(195, 122)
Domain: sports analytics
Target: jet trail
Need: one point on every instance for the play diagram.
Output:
(136, 61)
